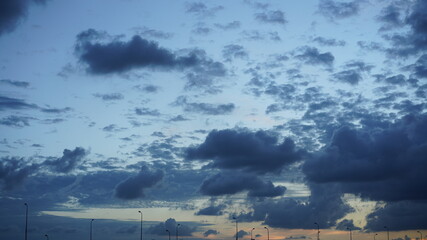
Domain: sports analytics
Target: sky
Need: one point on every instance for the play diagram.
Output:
(277, 117)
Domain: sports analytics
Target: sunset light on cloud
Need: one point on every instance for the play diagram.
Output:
(284, 120)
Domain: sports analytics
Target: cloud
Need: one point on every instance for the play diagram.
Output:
(19, 84)
(398, 216)
(258, 151)
(347, 224)
(232, 182)
(56, 110)
(420, 67)
(137, 53)
(330, 42)
(338, 10)
(147, 112)
(212, 210)
(204, 108)
(312, 56)
(109, 96)
(381, 162)
(229, 26)
(210, 232)
(68, 162)
(134, 186)
(241, 234)
(353, 72)
(147, 32)
(324, 206)
(275, 17)
(14, 103)
(13, 171)
(16, 121)
(201, 10)
(148, 88)
(233, 51)
(171, 225)
(12, 13)
(112, 128)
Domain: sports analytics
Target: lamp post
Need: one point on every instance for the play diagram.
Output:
(351, 237)
(268, 233)
(251, 233)
(169, 234)
(177, 230)
(421, 235)
(318, 230)
(141, 225)
(237, 230)
(91, 221)
(388, 234)
(26, 220)
(47, 236)
(375, 235)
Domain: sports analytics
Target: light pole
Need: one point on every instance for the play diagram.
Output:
(421, 235)
(47, 236)
(169, 234)
(26, 220)
(177, 230)
(141, 225)
(237, 230)
(251, 233)
(375, 235)
(268, 233)
(388, 234)
(351, 237)
(318, 230)
(91, 221)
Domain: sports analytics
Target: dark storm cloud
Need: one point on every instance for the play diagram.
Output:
(19, 84)
(312, 56)
(324, 206)
(68, 162)
(147, 112)
(384, 162)
(109, 96)
(134, 186)
(227, 183)
(346, 224)
(275, 17)
(229, 26)
(213, 210)
(204, 108)
(118, 56)
(233, 51)
(210, 232)
(398, 216)
(201, 10)
(16, 121)
(415, 40)
(14, 103)
(171, 225)
(13, 171)
(332, 9)
(242, 149)
(330, 42)
(12, 13)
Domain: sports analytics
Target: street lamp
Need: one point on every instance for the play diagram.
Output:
(388, 234)
(318, 230)
(237, 231)
(351, 237)
(47, 236)
(169, 234)
(268, 233)
(26, 220)
(141, 225)
(375, 235)
(421, 235)
(91, 221)
(251, 233)
(177, 230)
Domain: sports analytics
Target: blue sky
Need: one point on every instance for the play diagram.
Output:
(277, 113)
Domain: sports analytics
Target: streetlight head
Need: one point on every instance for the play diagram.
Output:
(265, 227)
(139, 211)
(25, 204)
(92, 220)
